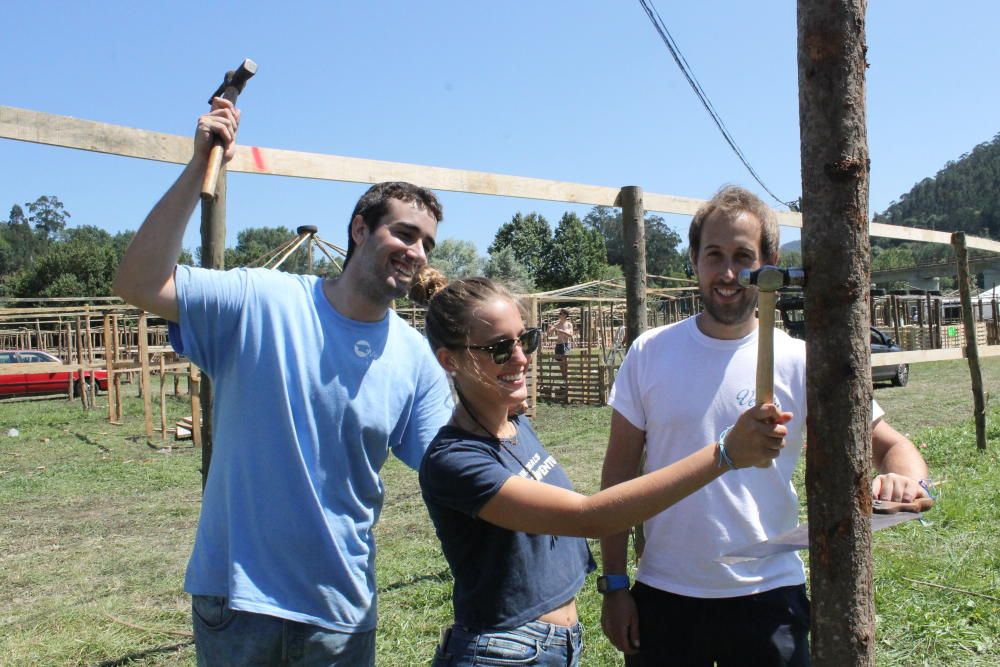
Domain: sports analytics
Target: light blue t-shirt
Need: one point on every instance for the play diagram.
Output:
(307, 405)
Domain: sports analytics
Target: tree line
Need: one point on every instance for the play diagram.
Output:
(41, 256)
(528, 255)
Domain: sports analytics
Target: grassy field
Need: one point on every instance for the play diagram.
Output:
(98, 525)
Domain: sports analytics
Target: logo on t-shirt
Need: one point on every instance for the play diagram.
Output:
(748, 397)
(362, 348)
(534, 470)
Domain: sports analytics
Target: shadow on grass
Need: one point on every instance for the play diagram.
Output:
(139, 655)
(438, 577)
(93, 443)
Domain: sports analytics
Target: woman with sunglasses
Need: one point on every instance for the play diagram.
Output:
(510, 526)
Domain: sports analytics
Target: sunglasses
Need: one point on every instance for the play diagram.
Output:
(503, 350)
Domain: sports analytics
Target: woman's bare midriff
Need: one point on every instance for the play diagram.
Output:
(564, 615)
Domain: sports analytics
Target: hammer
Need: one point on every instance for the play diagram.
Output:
(232, 86)
(768, 279)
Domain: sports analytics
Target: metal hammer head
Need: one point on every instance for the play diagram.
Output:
(235, 80)
(772, 278)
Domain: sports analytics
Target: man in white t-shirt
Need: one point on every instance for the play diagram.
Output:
(679, 387)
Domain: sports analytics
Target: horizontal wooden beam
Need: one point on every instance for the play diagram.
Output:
(921, 356)
(67, 132)
(45, 367)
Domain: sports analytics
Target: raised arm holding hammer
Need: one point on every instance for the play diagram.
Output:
(145, 276)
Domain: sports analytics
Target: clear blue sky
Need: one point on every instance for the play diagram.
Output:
(564, 90)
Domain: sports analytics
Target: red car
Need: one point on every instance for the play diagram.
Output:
(49, 381)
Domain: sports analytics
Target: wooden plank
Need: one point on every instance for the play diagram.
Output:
(54, 130)
(67, 132)
(916, 356)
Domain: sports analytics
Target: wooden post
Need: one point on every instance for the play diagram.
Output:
(930, 333)
(147, 401)
(194, 380)
(971, 346)
(634, 234)
(90, 353)
(590, 327)
(81, 383)
(837, 256)
(895, 316)
(163, 398)
(67, 334)
(109, 365)
(213, 243)
(601, 338)
(534, 367)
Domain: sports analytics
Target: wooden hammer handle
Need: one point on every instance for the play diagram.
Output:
(211, 181)
(232, 86)
(765, 346)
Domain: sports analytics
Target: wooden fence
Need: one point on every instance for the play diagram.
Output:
(587, 379)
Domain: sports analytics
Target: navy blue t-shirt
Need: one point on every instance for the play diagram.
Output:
(503, 578)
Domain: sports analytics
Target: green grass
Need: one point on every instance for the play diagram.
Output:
(98, 526)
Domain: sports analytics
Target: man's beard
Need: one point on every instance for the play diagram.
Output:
(729, 314)
(377, 288)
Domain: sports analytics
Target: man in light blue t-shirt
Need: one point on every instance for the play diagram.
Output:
(315, 381)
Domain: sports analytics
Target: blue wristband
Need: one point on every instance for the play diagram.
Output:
(610, 583)
(723, 454)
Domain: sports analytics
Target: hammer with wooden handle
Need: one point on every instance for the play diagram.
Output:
(768, 279)
(232, 86)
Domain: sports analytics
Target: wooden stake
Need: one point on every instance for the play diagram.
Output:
(82, 383)
(972, 347)
(163, 398)
(194, 380)
(147, 403)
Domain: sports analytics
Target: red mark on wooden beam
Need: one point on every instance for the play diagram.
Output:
(258, 159)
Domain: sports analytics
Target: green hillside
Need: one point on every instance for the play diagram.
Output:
(962, 196)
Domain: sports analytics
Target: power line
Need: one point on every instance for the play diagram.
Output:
(668, 40)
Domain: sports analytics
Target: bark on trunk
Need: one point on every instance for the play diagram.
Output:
(836, 255)
(213, 253)
(634, 234)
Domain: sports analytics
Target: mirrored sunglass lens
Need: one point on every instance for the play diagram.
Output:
(530, 340)
(503, 351)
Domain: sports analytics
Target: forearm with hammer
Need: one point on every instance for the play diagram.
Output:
(232, 86)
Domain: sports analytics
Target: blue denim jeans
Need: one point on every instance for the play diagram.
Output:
(533, 643)
(225, 637)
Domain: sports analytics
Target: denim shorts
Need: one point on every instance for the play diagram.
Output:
(226, 637)
(533, 643)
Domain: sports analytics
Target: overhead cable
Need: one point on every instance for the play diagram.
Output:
(668, 40)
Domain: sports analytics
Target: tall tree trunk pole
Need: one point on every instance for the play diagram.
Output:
(836, 254)
(971, 346)
(634, 234)
(213, 246)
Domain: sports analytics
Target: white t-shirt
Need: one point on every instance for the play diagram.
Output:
(682, 388)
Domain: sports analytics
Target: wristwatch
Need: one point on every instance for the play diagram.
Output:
(610, 583)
